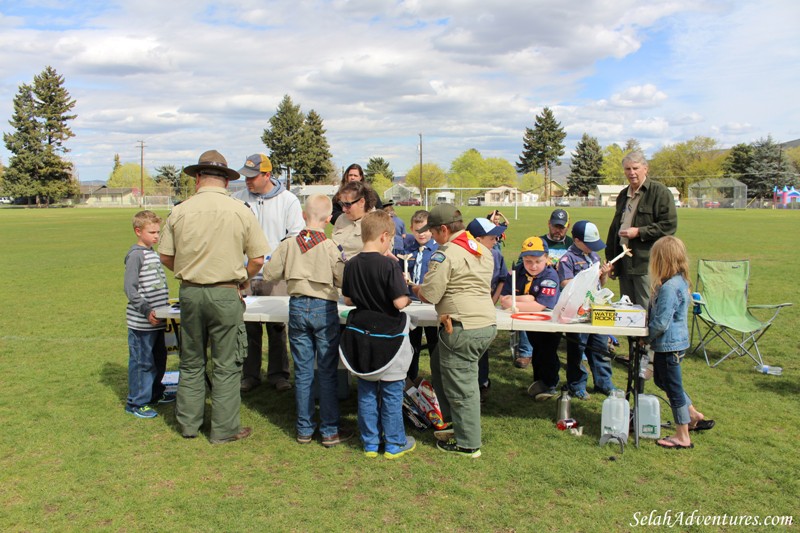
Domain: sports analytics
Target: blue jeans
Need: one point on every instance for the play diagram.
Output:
(380, 410)
(147, 361)
(314, 334)
(524, 348)
(594, 346)
(667, 377)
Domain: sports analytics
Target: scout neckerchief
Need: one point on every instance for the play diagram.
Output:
(307, 239)
(467, 242)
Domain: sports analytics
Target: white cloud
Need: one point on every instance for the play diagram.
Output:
(643, 96)
(189, 75)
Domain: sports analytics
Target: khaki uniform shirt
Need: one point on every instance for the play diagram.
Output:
(347, 234)
(458, 284)
(315, 273)
(208, 233)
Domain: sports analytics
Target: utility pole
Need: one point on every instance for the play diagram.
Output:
(421, 187)
(141, 174)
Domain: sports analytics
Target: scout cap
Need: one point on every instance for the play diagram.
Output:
(440, 215)
(559, 217)
(481, 227)
(534, 246)
(589, 234)
(255, 165)
(212, 162)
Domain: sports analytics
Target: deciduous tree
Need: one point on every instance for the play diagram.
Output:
(432, 176)
(688, 162)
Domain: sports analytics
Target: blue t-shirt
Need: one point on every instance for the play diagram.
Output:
(500, 272)
(544, 288)
(574, 261)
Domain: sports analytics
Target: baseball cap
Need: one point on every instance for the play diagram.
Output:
(480, 227)
(255, 165)
(559, 217)
(440, 215)
(534, 246)
(588, 234)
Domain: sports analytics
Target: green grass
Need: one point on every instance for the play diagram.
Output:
(71, 459)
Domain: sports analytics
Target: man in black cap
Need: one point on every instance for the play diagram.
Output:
(203, 241)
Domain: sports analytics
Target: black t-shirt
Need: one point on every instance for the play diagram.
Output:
(373, 281)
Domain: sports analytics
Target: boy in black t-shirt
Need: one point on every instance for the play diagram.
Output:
(374, 283)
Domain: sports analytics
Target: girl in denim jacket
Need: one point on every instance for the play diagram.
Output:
(669, 335)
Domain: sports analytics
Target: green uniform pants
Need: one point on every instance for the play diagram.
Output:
(454, 372)
(213, 317)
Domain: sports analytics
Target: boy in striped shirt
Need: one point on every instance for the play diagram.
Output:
(146, 289)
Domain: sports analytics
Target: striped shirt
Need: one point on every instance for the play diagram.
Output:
(145, 287)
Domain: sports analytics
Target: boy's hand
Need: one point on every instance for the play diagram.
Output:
(152, 318)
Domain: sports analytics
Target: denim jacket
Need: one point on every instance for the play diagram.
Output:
(668, 323)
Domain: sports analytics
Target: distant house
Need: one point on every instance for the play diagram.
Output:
(503, 196)
(400, 191)
(104, 196)
(304, 191)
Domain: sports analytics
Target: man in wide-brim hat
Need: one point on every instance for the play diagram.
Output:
(212, 163)
(203, 241)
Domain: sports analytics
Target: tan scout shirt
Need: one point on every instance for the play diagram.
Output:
(458, 284)
(315, 273)
(208, 233)
(630, 209)
(347, 234)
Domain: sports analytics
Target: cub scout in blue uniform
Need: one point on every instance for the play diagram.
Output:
(458, 283)
(537, 289)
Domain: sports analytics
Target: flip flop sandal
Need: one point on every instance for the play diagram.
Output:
(702, 425)
(675, 445)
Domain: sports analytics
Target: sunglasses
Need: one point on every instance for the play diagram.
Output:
(348, 205)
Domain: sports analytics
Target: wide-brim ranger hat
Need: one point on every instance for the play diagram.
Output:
(212, 162)
(534, 246)
(254, 165)
(440, 215)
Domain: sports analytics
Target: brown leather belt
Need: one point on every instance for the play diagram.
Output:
(227, 284)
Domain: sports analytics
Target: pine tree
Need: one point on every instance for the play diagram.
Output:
(585, 168)
(378, 165)
(41, 113)
(314, 161)
(284, 137)
(769, 168)
(542, 146)
(25, 145)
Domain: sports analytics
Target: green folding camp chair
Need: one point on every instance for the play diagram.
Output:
(721, 305)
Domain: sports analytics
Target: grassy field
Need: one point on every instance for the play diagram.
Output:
(71, 459)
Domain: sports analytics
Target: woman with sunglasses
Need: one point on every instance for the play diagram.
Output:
(352, 173)
(357, 199)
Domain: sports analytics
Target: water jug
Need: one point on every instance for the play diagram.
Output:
(563, 405)
(649, 417)
(616, 416)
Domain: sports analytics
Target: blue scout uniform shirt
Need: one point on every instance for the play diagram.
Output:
(417, 270)
(574, 261)
(500, 269)
(545, 287)
(399, 230)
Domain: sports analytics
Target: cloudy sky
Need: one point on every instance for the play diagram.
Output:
(185, 76)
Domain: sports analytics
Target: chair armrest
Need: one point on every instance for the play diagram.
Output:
(768, 306)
